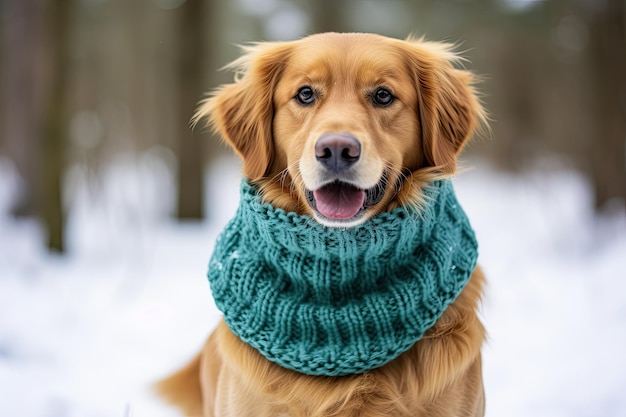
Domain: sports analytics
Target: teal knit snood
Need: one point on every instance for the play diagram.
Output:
(338, 301)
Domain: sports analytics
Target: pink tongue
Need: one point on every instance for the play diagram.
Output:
(339, 201)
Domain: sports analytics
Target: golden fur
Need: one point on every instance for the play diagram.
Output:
(403, 147)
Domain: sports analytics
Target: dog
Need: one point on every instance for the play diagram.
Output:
(342, 128)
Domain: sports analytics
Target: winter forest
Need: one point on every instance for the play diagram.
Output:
(110, 203)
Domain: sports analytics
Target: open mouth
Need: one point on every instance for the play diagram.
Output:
(343, 201)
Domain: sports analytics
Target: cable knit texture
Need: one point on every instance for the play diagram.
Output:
(338, 301)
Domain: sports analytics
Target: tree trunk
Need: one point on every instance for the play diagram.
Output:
(607, 153)
(190, 145)
(21, 96)
(327, 16)
(53, 139)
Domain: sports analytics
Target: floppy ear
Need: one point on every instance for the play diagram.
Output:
(242, 112)
(449, 110)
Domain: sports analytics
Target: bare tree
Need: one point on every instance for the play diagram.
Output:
(21, 95)
(190, 145)
(53, 139)
(606, 150)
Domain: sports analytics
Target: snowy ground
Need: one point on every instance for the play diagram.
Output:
(84, 335)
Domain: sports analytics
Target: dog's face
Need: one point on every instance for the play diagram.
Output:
(344, 126)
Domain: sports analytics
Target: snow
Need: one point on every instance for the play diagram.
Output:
(555, 307)
(86, 334)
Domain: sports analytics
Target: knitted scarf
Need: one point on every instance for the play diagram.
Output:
(337, 301)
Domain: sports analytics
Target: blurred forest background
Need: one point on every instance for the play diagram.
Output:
(85, 81)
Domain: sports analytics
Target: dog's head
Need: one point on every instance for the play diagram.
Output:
(344, 126)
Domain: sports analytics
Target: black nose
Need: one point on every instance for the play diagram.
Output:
(337, 152)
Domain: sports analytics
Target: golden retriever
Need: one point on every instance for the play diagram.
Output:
(342, 127)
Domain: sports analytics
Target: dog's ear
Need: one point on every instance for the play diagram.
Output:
(242, 112)
(448, 107)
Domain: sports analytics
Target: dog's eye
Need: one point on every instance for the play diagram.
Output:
(382, 97)
(305, 96)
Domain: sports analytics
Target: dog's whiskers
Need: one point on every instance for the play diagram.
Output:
(282, 176)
